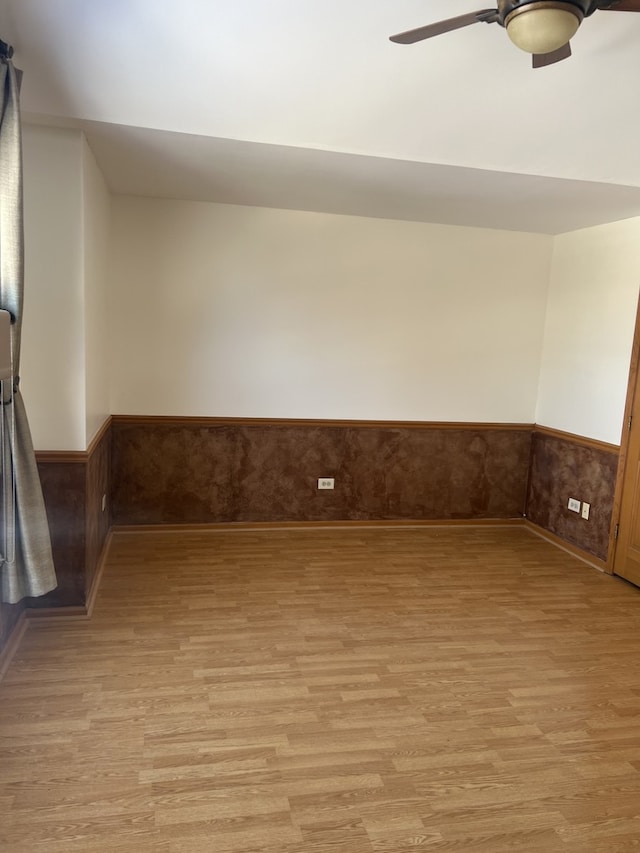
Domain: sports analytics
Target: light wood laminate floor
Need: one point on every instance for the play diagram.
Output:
(452, 689)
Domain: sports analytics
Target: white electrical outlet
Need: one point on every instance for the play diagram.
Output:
(104, 502)
(586, 508)
(326, 483)
(574, 505)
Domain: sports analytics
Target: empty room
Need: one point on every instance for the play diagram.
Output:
(319, 349)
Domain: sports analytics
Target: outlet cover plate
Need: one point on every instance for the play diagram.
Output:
(573, 505)
(326, 483)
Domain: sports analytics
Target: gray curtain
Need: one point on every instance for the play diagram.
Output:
(25, 546)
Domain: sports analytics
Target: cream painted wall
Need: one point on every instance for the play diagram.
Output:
(237, 311)
(591, 314)
(53, 355)
(65, 358)
(97, 218)
(221, 310)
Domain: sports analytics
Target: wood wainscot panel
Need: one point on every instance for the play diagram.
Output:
(564, 466)
(73, 484)
(10, 616)
(200, 471)
(64, 490)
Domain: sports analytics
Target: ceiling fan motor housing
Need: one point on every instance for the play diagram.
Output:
(584, 8)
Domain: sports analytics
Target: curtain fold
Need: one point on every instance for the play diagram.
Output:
(25, 545)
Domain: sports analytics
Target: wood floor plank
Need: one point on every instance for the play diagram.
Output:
(349, 690)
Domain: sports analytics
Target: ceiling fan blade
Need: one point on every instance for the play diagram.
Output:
(622, 6)
(542, 59)
(437, 29)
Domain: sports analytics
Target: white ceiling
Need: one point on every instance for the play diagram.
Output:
(305, 103)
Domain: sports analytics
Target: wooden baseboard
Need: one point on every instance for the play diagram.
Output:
(230, 526)
(46, 615)
(97, 578)
(12, 644)
(574, 550)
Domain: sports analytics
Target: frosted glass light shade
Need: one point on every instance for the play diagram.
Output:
(541, 30)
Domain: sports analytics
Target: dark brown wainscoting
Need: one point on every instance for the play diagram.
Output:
(564, 466)
(64, 490)
(73, 485)
(10, 615)
(198, 471)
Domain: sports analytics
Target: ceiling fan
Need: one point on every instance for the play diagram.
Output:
(543, 28)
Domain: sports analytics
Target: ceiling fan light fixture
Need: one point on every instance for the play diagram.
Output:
(542, 27)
